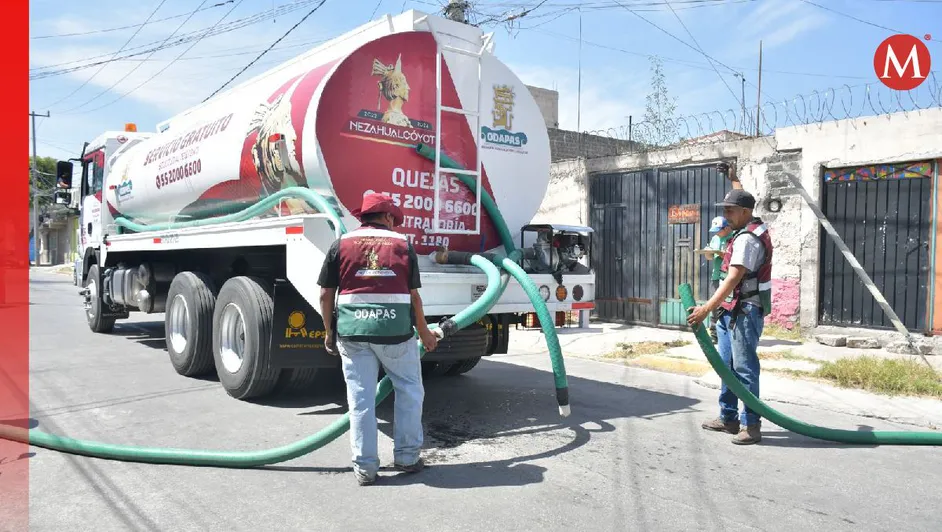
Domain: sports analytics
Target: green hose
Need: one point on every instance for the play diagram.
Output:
(510, 264)
(547, 323)
(496, 283)
(313, 198)
(486, 200)
(245, 459)
(788, 423)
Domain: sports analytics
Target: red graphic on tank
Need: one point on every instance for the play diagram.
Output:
(377, 106)
(271, 154)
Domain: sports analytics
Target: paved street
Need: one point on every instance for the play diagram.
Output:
(631, 457)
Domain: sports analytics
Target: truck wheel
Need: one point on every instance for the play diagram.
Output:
(96, 323)
(188, 322)
(462, 367)
(242, 325)
(304, 381)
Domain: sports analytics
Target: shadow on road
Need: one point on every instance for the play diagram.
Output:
(149, 334)
(497, 401)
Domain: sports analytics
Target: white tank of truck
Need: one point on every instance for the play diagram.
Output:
(344, 119)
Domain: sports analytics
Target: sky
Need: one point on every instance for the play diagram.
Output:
(814, 54)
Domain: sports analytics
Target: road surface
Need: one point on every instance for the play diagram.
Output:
(631, 457)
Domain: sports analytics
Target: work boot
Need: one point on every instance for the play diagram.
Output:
(748, 435)
(363, 479)
(721, 425)
(419, 465)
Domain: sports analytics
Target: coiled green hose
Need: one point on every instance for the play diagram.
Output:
(789, 423)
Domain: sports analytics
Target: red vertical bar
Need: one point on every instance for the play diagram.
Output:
(14, 272)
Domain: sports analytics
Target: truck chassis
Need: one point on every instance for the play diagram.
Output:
(236, 300)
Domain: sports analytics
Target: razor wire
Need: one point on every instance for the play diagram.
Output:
(848, 102)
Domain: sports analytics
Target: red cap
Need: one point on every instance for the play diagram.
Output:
(378, 203)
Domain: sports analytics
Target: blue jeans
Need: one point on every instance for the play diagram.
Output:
(361, 362)
(737, 346)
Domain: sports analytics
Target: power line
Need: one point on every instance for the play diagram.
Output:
(48, 70)
(691, 64)
(639, 6)
(694, 39)
(154, 12)
(233, 54)
(311, 12)
(125, 76)
(108, 30)
(676, 38)
(862, 21)
(375, 9)
(146, 81)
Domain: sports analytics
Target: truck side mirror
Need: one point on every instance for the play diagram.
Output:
(63, 175)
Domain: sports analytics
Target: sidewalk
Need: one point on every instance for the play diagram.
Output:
(64, 269)
(779, 357)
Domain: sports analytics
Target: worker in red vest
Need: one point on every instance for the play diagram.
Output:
(372, 273)
(744, 295)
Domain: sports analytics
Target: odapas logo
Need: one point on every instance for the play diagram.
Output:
(902, 62)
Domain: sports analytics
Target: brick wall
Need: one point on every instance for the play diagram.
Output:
(571, 144)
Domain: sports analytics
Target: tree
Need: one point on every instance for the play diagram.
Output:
(660, 127)
(46, 181)
(457, 10)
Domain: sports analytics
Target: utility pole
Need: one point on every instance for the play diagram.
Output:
(759, 93)
(742, 77)
(579, 89)
(34, 186)
(457, 10)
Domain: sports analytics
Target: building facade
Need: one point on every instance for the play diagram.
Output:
(876, 179)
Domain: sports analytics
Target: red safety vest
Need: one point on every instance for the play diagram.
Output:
(758, 282)
(374, 299)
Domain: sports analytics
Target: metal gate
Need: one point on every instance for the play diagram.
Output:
(883, 214)
(648, 225)
(686, 205)
(622, 210)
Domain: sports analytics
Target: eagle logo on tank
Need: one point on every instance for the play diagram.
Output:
(377, 107)
(371, 110)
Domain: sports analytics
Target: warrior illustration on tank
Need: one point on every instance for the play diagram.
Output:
(395, 88)
(275, 150)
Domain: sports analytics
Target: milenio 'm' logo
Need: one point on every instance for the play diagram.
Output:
(902, 62)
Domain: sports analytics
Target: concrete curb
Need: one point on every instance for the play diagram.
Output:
(915, 411)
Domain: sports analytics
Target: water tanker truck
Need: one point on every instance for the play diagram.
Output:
(205, 220)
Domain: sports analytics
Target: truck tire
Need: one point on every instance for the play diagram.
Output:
(304, 381)
(242, 324)
(188, 323)
(465, 346)
(96, 323)
(433, 370)
(462, 367)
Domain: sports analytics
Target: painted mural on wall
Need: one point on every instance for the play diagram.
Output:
(880, 172)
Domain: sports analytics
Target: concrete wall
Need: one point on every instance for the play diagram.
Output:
(873, 140)
(762, 165)
(548, 102)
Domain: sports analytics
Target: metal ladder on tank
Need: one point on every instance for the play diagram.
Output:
(475, 115)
